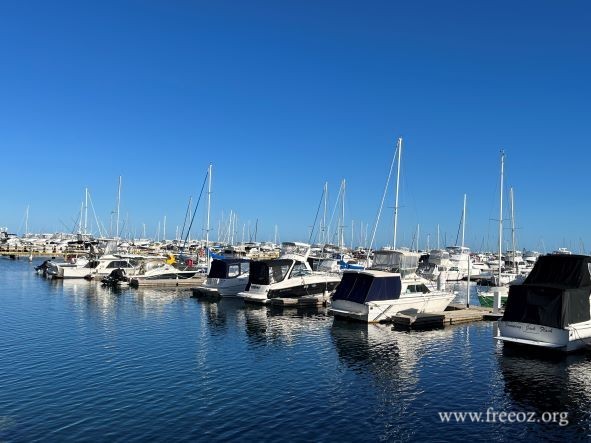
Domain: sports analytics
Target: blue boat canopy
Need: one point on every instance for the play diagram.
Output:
(361, 287)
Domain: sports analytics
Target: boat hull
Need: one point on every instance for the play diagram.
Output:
(383, 311)
(572, 338)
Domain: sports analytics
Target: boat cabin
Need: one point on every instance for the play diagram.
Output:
(228, 268)
(368, 286)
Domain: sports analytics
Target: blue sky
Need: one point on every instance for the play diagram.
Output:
(283, 96)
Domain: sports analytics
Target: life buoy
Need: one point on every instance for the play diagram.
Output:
(189, 262)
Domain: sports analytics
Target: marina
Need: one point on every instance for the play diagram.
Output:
(81, 360)
(298, 222)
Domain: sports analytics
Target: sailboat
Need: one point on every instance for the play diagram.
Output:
(390, 285)
(500, 283)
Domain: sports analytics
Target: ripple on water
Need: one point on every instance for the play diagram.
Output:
(80, 362)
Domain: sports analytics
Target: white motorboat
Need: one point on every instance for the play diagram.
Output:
(227, 277)
(161, 270)
(93, 268)
(289, 276)
(551, 309)
(390, 286)
(376, 296)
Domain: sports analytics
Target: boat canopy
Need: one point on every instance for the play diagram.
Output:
(361, 287)
(228, 268)
(395, 261)
(266, 272)
(554, 294)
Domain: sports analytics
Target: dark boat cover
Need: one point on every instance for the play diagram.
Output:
(219, 267)
(361, 288)
(265, 272)
(555, 293)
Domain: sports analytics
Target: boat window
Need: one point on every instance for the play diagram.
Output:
(244, 267)
(299, 270)
(234, 270)
(92, 264)
(267, 272)
(278, 272)
(420, 288)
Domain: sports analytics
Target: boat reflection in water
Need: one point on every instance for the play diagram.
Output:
(266, 325)
(555, 387)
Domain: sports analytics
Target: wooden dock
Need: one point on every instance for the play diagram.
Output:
(454, 314)
(166, 282)
(319, 300)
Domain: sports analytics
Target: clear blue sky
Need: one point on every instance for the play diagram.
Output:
(283, 96)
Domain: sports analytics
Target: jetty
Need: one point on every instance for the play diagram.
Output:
(165, 282)
(454, 314)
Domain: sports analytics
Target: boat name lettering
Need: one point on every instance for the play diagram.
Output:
(530, 328)
(544, 329)
(511, 325)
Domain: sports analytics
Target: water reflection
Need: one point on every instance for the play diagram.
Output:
(541, 382)
(266, 325)
(222, 313)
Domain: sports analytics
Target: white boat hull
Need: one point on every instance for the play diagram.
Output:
(574, 337)
(385, 310)
(223, 287)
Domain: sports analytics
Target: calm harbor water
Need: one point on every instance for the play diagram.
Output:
(79, 362)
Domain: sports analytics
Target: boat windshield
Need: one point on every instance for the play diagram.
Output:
(268, 272)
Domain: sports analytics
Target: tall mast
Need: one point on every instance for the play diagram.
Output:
(164, 230)
(501, 214)
(118, 204)
(80, 219)
(208, 211)
(513, 228)
(342, 236)
(324, 239)
(438, 236)
(397, 186)
(463, 222)
(85, 210)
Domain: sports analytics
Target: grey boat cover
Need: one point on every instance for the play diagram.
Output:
(555, 293)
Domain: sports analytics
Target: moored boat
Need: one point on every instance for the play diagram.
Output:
(551, 309)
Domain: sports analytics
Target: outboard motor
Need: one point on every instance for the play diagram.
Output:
(115, 277)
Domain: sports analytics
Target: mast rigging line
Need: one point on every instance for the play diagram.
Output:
(373, 234)
(195, 210)
(316, 218)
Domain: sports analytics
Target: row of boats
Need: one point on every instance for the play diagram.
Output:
(550, 308)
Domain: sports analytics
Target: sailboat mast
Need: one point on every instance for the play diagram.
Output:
(85, 210)
(463, 222)
(513, 228)
(208, 212)
(342, 236)
(397, 186)
(437, 236)
(501, 214)
(118, 204)
(324, 239)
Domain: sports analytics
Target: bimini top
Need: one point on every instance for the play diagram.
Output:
(555, 293)
(395, 261)
(365, 286)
